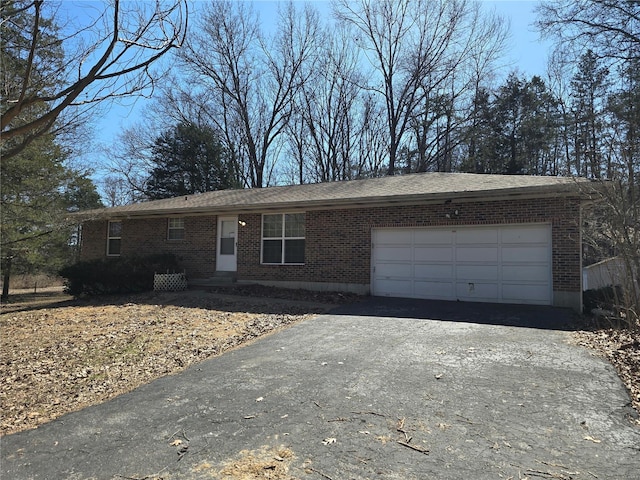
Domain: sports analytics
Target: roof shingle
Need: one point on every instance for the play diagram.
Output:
(385, 190)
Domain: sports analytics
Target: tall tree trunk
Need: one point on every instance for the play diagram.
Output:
(6, 277)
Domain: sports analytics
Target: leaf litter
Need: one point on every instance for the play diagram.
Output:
(621, 347)
(78, 353)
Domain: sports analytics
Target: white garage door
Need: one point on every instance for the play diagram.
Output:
(505, 264)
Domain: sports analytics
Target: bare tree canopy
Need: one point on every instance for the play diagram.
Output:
(249, 79)
(49, 68)
(418, 49)
(612, 26)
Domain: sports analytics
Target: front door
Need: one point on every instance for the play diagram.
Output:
(226, 260)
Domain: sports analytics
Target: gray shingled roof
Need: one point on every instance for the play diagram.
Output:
(375, 191)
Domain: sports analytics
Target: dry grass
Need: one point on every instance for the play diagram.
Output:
(34, 282)
(267, 463)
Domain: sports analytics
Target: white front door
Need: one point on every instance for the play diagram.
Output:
(226, 259)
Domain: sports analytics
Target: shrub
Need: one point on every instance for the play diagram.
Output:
(605, 298)
(117, 275)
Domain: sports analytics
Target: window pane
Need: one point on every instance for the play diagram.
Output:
(228, 228)
(272, 226)
(176, 223)
(113, 247)
(227, 246)
(115, 229)
(176, 234)
(294, 251)
(294, 225)
(272, 251)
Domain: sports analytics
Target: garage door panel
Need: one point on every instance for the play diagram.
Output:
(433, 254)
(477, 290)
(433, 237)
(525, 254)
(433, 271)
(394, 237)
(469, 236)
(526, 234)
(397, 270)
(435, 290)
(477, 272)
(532, 273)
(519, 293)
(390, 288)
(477, 254)
(393, 254)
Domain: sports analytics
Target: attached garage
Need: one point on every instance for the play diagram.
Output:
(502, 264)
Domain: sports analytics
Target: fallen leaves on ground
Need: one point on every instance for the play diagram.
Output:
(622, 348)
(63, 358)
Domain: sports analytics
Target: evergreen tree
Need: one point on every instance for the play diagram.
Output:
(479, 135)
(189, 159)
(37, 188)
(539, 129)
(37, 193)
(589, 89)
(624, 107)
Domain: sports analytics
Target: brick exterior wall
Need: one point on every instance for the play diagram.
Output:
(338, 242)
(197, 252)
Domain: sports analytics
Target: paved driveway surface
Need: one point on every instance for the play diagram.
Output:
(479, 393)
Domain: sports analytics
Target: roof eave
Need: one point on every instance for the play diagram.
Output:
(358, 202)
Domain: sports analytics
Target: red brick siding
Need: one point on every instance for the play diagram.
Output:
(197, 252)
(338, 242)
(94, 240)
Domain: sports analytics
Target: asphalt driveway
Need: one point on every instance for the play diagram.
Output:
(388, 389)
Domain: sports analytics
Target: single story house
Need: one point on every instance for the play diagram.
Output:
(450, 236)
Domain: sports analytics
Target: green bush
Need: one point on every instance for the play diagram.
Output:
(117, 275)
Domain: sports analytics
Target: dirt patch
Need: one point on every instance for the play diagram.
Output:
(60, 355)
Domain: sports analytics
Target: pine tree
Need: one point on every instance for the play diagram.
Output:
(189, 159)
(589, 88)
(37, 192)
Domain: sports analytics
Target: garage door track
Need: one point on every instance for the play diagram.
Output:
(386, 389)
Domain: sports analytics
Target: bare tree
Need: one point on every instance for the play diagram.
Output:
(612, 27)
(407, 42)
(254, 78)
(130, 164)
(612, 229)
(109, 56)
(326, 124)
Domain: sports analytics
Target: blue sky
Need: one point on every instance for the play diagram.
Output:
(526, 54)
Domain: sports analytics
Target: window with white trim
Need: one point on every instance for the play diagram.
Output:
(283, 238)
(176, 229)
(114, 238)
